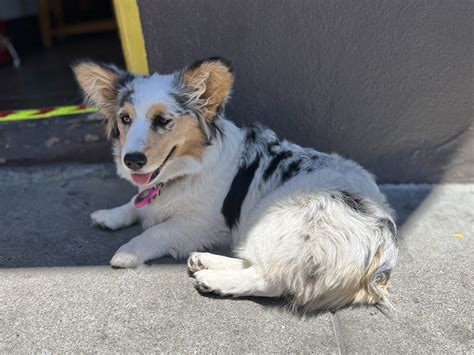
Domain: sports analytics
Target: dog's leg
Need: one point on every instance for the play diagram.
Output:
(236, 283)
(116, 218)
(201, 261)
(175, 237)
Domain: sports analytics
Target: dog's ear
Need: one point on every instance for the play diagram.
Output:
(99, 81)
(207, 85)
(101, 84)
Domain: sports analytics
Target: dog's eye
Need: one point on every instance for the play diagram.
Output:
(160, 121)
(126, 120)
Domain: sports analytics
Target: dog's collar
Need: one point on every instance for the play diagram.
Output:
(147, 196)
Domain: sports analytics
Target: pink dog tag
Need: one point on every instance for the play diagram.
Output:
(146, 196)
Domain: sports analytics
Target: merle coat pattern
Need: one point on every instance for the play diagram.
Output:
(310, 226)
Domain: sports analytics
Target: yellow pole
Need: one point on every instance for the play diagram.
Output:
(131, 35)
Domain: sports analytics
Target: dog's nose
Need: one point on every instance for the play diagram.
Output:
(134, 161)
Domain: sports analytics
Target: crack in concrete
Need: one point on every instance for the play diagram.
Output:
(336, 327)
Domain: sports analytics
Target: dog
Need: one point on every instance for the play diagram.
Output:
(305, 225)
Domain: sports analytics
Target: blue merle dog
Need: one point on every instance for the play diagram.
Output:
(309, 226)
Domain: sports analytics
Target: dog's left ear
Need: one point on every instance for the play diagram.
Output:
(207, 85)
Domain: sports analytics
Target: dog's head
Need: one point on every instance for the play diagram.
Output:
(160, 124)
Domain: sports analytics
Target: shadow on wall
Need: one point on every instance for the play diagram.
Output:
(388, 84)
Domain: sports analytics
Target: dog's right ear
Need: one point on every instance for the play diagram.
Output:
(97, 80)
(101, 84)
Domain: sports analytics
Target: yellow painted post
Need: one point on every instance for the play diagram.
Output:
(131, 35)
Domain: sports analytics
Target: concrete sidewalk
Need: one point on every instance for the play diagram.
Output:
(57, 292)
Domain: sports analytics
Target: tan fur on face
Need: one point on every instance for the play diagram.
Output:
(193, 139)
(156, 110)
(98, 83)
(210, 84)
(185, 135)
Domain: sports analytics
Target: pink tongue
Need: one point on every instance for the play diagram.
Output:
(141, 179)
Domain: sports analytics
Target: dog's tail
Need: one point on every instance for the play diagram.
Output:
(374, 284)
(353, 286)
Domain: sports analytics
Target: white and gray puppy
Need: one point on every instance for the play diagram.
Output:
(305, 225)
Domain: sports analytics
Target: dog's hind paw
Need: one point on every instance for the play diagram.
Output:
(202, 285)
(208, 281)
(194, 263)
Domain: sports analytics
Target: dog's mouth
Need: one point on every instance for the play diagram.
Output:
(147, 178)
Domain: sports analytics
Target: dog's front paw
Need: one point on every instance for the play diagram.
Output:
(126, 257)
(107, 219)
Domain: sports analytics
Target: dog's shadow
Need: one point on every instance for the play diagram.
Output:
(282, 305)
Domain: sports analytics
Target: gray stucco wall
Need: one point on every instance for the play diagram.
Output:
(388, 83)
